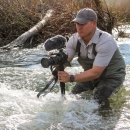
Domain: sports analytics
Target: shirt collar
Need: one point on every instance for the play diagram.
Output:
(95, 37)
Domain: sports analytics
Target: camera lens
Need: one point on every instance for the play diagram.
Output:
(45, 62)
(51, 61)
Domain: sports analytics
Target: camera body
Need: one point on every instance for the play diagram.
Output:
(59, 58)
(57, 42)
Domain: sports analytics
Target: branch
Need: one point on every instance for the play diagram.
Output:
(33, 31)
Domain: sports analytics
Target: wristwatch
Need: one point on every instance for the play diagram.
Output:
(71, 78)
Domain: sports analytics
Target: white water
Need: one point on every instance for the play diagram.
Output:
(20, 109)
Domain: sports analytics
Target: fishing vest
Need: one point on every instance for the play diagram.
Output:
(115, 68)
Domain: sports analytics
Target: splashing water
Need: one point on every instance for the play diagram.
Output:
(22, 77)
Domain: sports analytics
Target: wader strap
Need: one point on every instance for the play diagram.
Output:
(78, 48)
(94, 51)
(100, 34)
(79, 45)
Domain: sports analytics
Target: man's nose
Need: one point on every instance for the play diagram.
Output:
(79, 27)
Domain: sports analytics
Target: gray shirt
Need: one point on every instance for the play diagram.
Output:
(105, 47)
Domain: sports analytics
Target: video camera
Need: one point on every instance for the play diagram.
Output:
(57, 42)
(56, 59)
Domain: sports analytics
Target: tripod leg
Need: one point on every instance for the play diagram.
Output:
(62, 85)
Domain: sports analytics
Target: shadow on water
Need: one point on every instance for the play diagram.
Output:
(22, 57)
(111, 111)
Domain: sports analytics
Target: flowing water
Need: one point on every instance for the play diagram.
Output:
(22, 77)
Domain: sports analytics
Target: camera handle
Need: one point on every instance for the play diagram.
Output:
(62, 84)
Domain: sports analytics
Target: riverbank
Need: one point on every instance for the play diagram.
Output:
(18, 16)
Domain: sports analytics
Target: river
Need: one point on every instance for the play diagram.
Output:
(22, 77)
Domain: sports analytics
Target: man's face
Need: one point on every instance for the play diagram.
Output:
(86, 29)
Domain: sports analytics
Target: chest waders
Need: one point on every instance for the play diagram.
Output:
(109, 81)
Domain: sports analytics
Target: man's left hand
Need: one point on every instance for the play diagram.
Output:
(63, 76)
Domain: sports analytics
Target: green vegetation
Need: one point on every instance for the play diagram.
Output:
(18, 16)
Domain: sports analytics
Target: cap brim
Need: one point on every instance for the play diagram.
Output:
(80, 20)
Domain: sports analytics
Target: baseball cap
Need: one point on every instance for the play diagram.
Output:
(85, 15)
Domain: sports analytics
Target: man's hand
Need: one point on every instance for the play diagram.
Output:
(63, 76)
(87, 75)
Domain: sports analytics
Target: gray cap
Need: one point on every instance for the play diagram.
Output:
(85, 15)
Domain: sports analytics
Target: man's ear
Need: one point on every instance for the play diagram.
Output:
(95, 23)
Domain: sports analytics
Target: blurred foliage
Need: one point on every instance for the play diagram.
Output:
(18, 16)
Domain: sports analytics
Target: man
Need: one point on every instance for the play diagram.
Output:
(98, 54)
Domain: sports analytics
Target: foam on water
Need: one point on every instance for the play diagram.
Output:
(21, 110)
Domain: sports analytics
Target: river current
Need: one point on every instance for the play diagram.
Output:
(22, 77)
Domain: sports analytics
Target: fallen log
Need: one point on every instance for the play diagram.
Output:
(30, 33)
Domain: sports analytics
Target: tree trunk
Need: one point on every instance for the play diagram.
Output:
(105, 17)
(33, 31)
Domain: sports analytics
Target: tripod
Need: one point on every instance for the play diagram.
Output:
(54, 79)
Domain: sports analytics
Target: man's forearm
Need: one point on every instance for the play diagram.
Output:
(85, 76)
